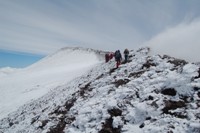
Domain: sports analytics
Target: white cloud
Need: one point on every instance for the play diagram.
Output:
(42, 27)
(182, 41)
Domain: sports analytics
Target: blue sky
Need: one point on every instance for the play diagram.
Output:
(17, 59)
(40, 27)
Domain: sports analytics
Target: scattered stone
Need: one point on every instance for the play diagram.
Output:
(130, 56)
(198, 74)
(154, 104)
(64, 120)
(196, 88)
(170, 131)
(148, 118)
(186, 99)
(141, 50)
(69, 104)
(69, 119)
(107, 126)
(112, 70)
(198, 115)
(136, 74)
(43, 123)
(59, 127)
(128, 61)
(156, 91)
(150, 98)
(137, 94)
(148, 64)
(34, 119)
(166, 57)
(84, 89)
(169, 91)
(11, 124)
(153, 120)
(142, 125)
(115, 112)
(99, 76)
(171, 126)
(198, 103)
(181, 115)
(172, 105)
(177, 62)
(121, 82)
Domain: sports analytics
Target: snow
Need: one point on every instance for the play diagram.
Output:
(124, 100)
(18, 88)
(7, 70)
(117, 122)
(129, 128)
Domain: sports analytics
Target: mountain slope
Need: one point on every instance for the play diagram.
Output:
(22, 86)
(157, 94)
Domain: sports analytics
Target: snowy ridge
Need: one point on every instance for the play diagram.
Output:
(22, 86)
(149, 94)
(69, 55)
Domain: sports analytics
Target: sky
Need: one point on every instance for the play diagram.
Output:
(17, 59)
(40, 27)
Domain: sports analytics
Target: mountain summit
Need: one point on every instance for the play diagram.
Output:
(151, 94)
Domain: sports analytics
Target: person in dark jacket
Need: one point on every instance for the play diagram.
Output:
(107, 57)
(118, 58)
(126, 53)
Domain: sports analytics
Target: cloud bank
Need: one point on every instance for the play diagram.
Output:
(182, 41)
(41, 27)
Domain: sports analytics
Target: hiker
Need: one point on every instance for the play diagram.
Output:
(107, 57)
(126, 53)
(111, 55)
(118, 58)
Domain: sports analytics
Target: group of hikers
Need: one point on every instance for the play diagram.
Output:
(118, 56)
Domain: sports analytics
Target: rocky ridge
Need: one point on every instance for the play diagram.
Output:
(153, 94)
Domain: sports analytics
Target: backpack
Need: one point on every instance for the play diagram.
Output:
(126, 52)
(117, 55)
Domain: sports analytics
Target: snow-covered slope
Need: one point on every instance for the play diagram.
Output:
(149, 94)
(7, 70)
(21, 86)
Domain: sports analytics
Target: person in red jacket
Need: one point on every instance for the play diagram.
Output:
(111, 55)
